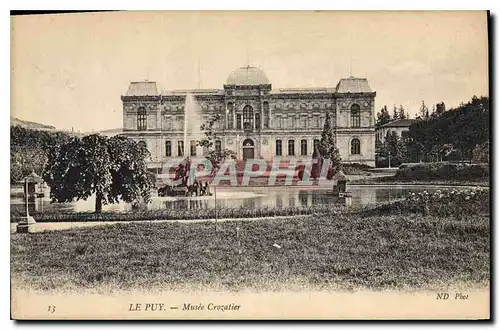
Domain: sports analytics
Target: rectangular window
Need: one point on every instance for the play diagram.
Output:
(266, 118)
(238, 121)
(355, 120)
(180, 148)
(218, 146)
(230, 120)
(168, 148)
(291, 148)
(278, 147)
(193, 148)
(303, 147)
(142, 119)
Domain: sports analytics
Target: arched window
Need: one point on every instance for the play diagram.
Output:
(218, 146)
(278, 148)
(142, 120)
(355, 116)
(193, 148)
(355, 147)
(230, 116)
(168, 148)
(247, 118)
(303, 147)
(257, 120)
(291, 147)
(266, 114)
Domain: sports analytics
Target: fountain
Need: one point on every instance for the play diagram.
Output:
(193, 119)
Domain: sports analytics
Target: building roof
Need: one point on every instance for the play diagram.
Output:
(247, 75)
(194, 91)
(353, 85)
(304, 90)
(142, 88)
(399, 123)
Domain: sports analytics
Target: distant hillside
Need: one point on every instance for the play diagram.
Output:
(29, 124)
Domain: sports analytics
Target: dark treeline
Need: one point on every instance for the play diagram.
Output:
(456, 134)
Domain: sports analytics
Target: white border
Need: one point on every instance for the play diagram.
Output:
(192, 5)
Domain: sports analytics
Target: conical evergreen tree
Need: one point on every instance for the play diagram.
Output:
(328, 148)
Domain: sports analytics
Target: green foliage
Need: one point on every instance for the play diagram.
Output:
(111, 168)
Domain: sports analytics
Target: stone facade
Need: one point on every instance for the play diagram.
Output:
(257, 120)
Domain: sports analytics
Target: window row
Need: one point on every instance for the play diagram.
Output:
(291, 147)
(248, 121)
(192, 148)
(355, 147)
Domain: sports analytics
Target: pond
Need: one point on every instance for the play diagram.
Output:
(249, 197)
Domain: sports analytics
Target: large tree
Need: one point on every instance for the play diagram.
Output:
(112, 169)
(459, 129)
(328, 147)
(29, 150)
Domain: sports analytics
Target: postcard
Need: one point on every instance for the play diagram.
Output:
(250, 165)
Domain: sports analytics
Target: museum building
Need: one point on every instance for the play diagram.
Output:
(257, 121)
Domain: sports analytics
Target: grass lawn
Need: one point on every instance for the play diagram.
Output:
(341, 252)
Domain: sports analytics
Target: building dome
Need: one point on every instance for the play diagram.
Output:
(247, 75)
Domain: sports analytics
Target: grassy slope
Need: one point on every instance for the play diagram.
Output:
(346, 252)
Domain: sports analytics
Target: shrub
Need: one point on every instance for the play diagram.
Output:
(441, 171)
(181, 214)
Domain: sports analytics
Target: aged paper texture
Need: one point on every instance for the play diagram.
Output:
(250, 165)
